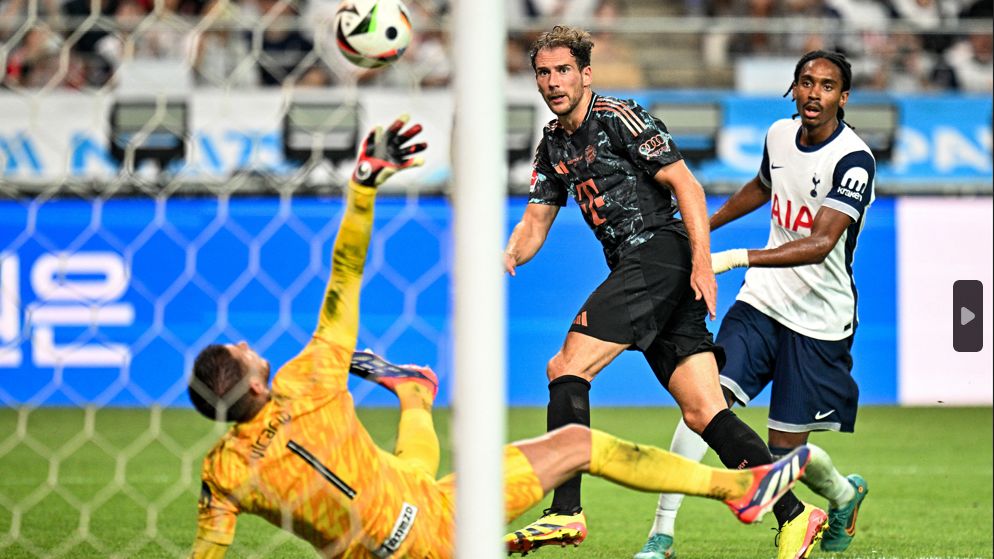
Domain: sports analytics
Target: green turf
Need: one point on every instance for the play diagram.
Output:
(124, 483)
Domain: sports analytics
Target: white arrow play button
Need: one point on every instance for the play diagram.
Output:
(965, 316)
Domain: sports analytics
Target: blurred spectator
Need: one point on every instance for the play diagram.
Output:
(613, 57)
(283, 44)
(219, 55)
(519, 67)
(315, 76)
(966, 65)
(96, 68)
(972, 64)
(919, 14)
(927, 17)
(569, 12)
(429, 59)
(811, 10)
(14, 11)
(783, 42)
(895, 63)
(38, 62)
(756, 43)
(162, 38)
(115, 47)
(978, 10)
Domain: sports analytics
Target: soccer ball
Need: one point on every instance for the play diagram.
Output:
(372, 33)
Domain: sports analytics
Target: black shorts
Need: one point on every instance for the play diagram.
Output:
(646, 302)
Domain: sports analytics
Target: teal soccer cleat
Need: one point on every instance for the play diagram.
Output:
(659, 546)
(842, 521)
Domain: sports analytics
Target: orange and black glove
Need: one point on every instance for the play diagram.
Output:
(383, 153)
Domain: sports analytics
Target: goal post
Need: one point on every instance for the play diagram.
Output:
(479, 187)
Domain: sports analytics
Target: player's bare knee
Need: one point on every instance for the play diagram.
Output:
(696, 420)
(575, 434)
(556, 367)
(560, 366)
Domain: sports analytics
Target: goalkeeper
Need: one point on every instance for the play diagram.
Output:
(298, 456)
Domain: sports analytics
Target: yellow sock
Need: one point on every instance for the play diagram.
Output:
(417, 441)
(414, 395)
(648, 468)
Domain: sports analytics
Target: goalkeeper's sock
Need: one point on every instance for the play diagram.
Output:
(690, 445)
(648, 468)
(417, 441)
(569, 402)
(738, 446)
(822, 477)
(414, 395)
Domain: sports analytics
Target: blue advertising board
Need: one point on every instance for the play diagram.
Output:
(108, 302)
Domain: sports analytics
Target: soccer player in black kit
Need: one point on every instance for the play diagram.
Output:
(623, 169)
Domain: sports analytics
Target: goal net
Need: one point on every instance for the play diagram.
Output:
(170, 176)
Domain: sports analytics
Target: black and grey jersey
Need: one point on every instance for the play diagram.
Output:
(608, 166)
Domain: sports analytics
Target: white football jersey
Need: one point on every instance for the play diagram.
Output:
(817, 300)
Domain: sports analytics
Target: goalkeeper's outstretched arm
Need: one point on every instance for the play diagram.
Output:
(383, 153)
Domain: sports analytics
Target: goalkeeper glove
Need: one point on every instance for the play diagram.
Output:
(383, 153)
(727, 259)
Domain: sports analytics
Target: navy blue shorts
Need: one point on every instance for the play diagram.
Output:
(813, 388)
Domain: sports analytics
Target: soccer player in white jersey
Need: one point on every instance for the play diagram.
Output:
(795, 316)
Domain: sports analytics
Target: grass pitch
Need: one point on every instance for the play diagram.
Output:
(124, 483)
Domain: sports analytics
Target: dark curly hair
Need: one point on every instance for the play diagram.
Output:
(836, 58)
(575, 39)
(216, 387)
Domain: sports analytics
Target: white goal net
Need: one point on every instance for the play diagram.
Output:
(162, 187)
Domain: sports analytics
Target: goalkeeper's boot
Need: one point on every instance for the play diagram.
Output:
(769, 483)
(658, 546)
(554, 528)
(372, 367)
(842, 521)
(796, 538)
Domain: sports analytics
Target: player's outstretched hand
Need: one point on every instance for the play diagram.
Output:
(727, 259)
(384, 152)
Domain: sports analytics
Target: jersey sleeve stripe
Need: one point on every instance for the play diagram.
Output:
(842, 207)
(624, 111)
(634, 125)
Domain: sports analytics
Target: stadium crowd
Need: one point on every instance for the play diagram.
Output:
(270, 43)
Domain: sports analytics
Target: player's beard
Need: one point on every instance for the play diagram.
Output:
(572, 101)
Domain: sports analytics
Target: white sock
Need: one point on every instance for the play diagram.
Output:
(822, 477)
(690, 445)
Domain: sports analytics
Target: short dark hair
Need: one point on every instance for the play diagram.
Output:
(836, 58)
(575, 39)
(216, 387)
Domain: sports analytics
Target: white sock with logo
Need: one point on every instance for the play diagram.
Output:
(690, 445)
(822, 477)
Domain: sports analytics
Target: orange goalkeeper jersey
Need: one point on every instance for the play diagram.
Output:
(306, 464)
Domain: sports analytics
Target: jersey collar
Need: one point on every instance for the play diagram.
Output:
(590, 108)
(586, 117)
(818, 146)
